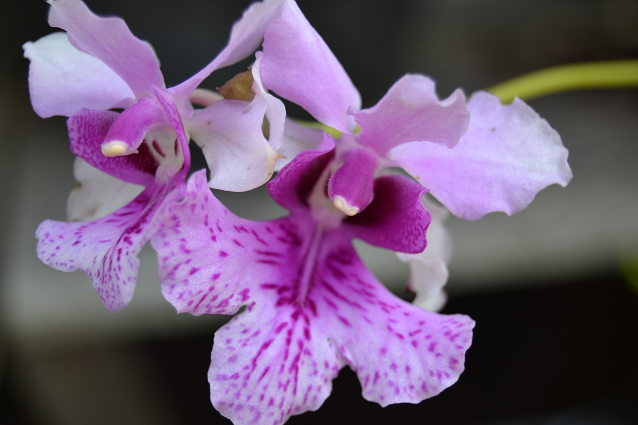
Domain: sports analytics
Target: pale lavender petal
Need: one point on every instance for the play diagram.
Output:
(350, 186)
(297, 138)
(395, 219)
(87, 132)
(109, 40)
(230, 135)
(295, 181)
(401, 353)
(428, 269)
(275, 110)
(63, 80)
(508, 154)
(105, 249)
(245, 37)
(97, 194)
(412, 112)
(298, 66)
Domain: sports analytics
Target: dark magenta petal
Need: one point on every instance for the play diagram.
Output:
(87, 131)
(295, 181)
(109, 40)
(105, 249)
(395, 219)
(350, 186)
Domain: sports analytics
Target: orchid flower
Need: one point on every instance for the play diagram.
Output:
(311, 305)
(475, 158)
(97, 65)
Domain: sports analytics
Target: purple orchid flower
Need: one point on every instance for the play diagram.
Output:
(97, 65)
(312, 307)
(475, 158)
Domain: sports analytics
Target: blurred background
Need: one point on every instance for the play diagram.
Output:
(557, 321)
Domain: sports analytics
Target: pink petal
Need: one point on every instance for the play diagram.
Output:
(401, 353)
(395, 219)
(508, 154)
(167, 102)
(410, 112)
(109, 40)
(105, 249)
(87, 132)
(63, 80)
(245, 37)
(298, 66)
(230, 135)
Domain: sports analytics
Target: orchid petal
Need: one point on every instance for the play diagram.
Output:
(87, 132)
(350, 186)
(105, 249)
(296, 180)
(245, 37)
(230, 135)
(395, 219)
(298, 66)
(275, 110)
(297, 139)
(428, 269)
(508, 154)
(400, 352)
(98, 194)
(63, 80)
(109, 40)
(410, 112)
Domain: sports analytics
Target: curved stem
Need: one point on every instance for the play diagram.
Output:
(581, 76)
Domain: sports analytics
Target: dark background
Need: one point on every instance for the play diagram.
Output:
(560, 351)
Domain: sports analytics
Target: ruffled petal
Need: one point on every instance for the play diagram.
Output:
(98, 194)
(428, 269)
(395, 219)
(294, 183)
(401, 353)
(298, 66)
(87, 132)
(508, 154)
(411, 112)
(105, 249)
(110, 41)
(230, 135)
(245, 37)
(350, 186)
(63, 80)
(297, 139)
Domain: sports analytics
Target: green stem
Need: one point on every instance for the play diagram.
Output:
(581, 76)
